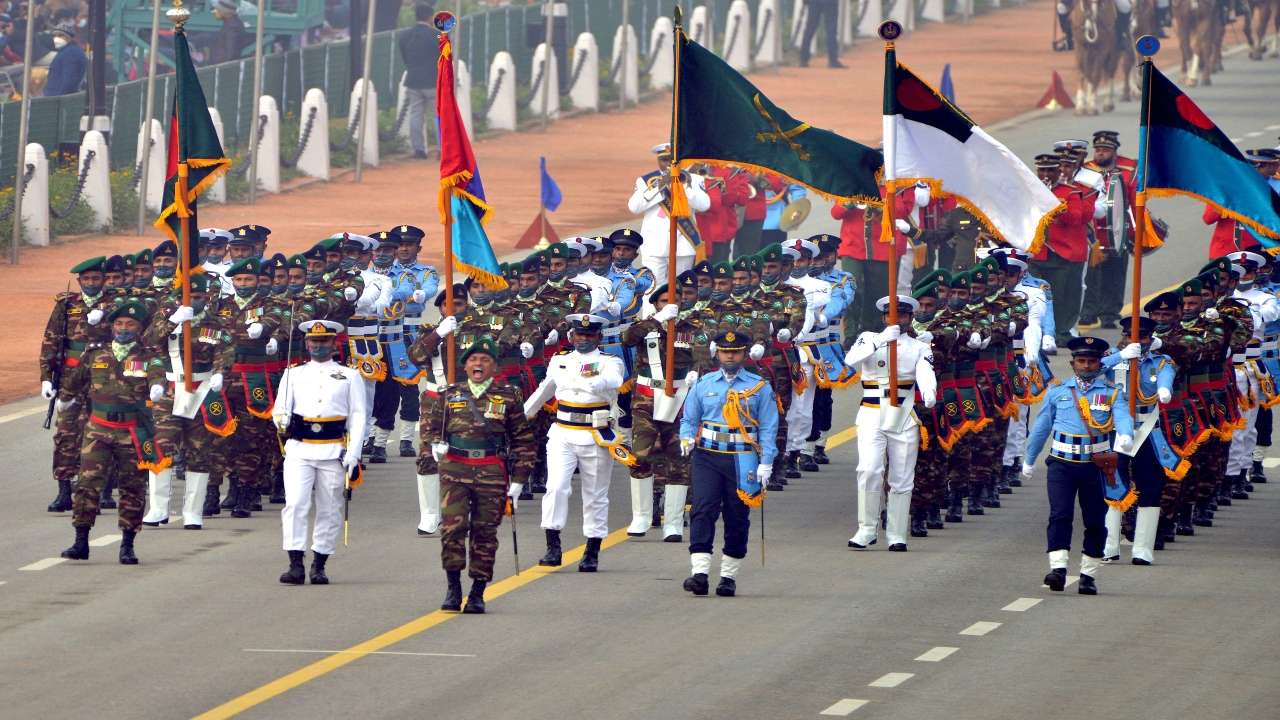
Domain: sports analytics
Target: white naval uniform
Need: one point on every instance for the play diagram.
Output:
(575, 447)
(318, 390)
(1032, 336)
(883, 429)
(1264, 308)
(601, 292)
(219, 270)
(817, 293)
(655, 228)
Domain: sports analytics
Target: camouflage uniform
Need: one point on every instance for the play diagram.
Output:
(490, 445)
(250, 383)
(66, 336)
(1189, 344)
(785, 305)
(930, 489)
(656, 445)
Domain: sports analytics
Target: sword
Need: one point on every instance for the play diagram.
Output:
(515, 536)
(762, 529)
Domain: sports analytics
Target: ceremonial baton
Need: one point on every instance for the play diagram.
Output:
(515, 536)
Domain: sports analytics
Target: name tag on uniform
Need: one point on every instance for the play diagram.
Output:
(338, 376)
(75, 311)
(99, 366)
(457, 405)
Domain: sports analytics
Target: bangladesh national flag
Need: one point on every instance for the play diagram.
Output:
(1182, 152)
(929, 139)
(195, 158)
(719, 117)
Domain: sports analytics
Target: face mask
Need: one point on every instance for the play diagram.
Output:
(198, 306)
(687, 304)
(584, 346)
(798, 273)
(622, 264)
(816, 271)
(320, 353)
(740, 290)
(481, 300)
(314, 278)
(769, 278)
(556, 275)
(719, 296)
(602, 271)
(527, 293)
(1189, 316)
(923, 317)
(215, 258)
(1244, 284)
(279, 289)
(142, 283)
(124, 337)
(730, 367)
(347, 263)
(264, 291)
(1163, 327)
(704, 293)
(1089, 376)
(244, 293)
(957, 303)
(164, 273)
(59, 42)
(383, 262)
(295, 289)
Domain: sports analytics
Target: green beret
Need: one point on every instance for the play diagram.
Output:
(960, 281)
(129, 308)
(771, 253)
(244, 266)
(484, 345)
(90, 265)
(296, 261)
(937, 277)
(559, 250)
(142, 257)
(979, 274)
(330, 244)
(754, 263)
(722, 270)
(1221, 264)
(930, 290)
(1192, 287)
(199, 282)
(742, 263)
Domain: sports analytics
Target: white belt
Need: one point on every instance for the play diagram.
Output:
(724, 437)
(1018, 344)
(615, 331)
(195, 377)
(412, 321)
(1069, 449)
(392, 329)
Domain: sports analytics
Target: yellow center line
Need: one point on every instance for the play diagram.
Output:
(414, 627)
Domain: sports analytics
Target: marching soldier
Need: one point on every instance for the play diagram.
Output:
(320, 410)
(394, 352)
(1104, 292)
(930, 482)
(729, 416)
(485, 449)
(425, 283)
(785, 305)
(164, 265)
(114, 378)
(817, 294)
(1081, 417)
(652, 199)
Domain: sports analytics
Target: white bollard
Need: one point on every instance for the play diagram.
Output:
(217, 192)
(313, 161)
(462, 90)
(548, 79)
(35, 198)
(502, 88)
(766, 34)
(737, 36)
(97, 184)
(845, 26)
(269, 148)
(871, 19)
(934, 11)
(153, 194)
(698, 25)
(584, 93)
(401, 99)
(369, 132)
(628, 76)
(662, 70)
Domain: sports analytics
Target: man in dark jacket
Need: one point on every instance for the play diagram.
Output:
(419, 48)
(66, 72)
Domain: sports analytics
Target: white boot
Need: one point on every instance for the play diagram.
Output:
(673, 499)
(159, 485)
(1144, 535)
(700, 563)
(868, 519)
(899, 509)
(429, 503)
(1058, 559)
(408, 431)
(193, 499)
(1111, 550)
(641, 506)
(380, 436)
(729, 567)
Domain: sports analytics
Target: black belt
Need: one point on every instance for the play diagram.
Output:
(301, 428)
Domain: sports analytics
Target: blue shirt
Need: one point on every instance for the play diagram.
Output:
(414, 276)
(1048, 326)
(1155, 371)
(1060, 414)
(641, 283)
(705, 403)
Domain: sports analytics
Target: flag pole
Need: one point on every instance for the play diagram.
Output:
(184, 243)
(889, 31)
(668, 384)
(451, 350)
(1147, 46)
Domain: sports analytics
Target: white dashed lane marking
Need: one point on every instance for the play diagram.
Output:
(979, 628)
(104, 541)
(1255, 133)
(44, 564)
(891, 680)
(937, 654)
(1021, 605)
(1271, 463)
(844, 707)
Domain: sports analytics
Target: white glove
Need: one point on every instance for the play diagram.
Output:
(349, 294)
(513, 492)
(552, 338)
(61, 406)
(686, 446)
(438, 450)
(215, 382)
(1013, 328)
(903, 226)
(255, 330)
(526, 350)
(1027, 469)
(711, 347)
(1048, 344)
(182, 314)
(1131, 351)
(667, 313)
(446, 327)
(272, 347)
(281, 421)
(46, 390)
(1033, 358)
(614, 308)
(1211, 314)
(784, 335)
(1164, 395)
(930, 399)
(94, 317)
(157, 392)
(1100, 210)
(888, 335)
(975, 341)
(1124, 443)
(419, 297)
(925, 337)
(351, 459)
(822, 320)
(1156, 344)
(764, 472)
(922, 195)
(691, 379)
(756, 352)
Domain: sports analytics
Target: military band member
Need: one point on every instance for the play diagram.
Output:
(652, 200)
(485, 448)
(320, 410)
(1104, 292)
(728, 417)
(817, 295)
(886, 429)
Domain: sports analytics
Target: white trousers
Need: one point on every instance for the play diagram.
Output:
(1240, 454)
(1016, 439)
(800, 414)
(874, 446)
(302, 479)
(657, 264)
(595, 467)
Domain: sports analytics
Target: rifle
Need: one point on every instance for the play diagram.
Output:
(55, 372)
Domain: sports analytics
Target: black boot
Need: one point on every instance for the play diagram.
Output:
(1015, 473)
(1201, 517)
(277, 488)
(975, 500)
(525, 494)
(79, 550)
(211, 507)
(378, 454)
(255, 497)
(728, 587)
(126, 548)
(244, 502)
(1223, 491)
(1166, 530)
(106, 501)
(820, 455)
(1056, 579)
(233, 493)
(917, 525)
(1256, 474)
(475, 599)
(1128, 522)
(62, 503)
(955, 513)
(1086, 586)
(934, 520)
(1184, 526)
(990, 498)
(1122, 27)
(793, 466)
(1004, 485)
(591, 558)
(807, 464)
(317, 569)
(775, 483)
(697, 584)
(453, 595)
(406, 449)
(295, 575)
(366, 450)
(1067, 43)
(552, 558)
(1237, 487)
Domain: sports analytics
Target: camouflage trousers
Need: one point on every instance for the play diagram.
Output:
(220, 450)
(187, 436)
(428, 403)
(779, 377)
(931, 478)
(656, 446)
(957, 464)
(471, 512)
(987, 453)
(252, 444)
(67, 437)
(105, 452)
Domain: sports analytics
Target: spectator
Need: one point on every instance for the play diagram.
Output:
(66, 72)
(8, 55)
(419, 49)
(233, 38)
(817, 10)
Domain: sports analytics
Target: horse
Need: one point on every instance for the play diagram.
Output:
(1200, 28)
(1093, 23)
(1261, 14)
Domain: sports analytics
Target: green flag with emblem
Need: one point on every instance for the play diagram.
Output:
(719, 117)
